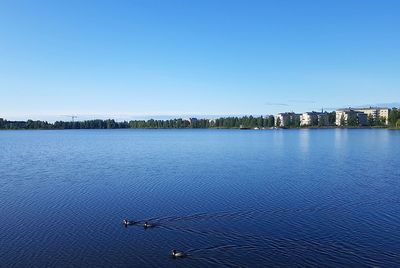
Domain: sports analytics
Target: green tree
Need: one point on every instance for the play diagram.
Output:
(332, 118)
(371, 120)
(394, 115)
(260, 122)
(342, 121)
(271, 121)
(352, 120)
(278, 122)
(382, 120)
(378, 121)
(296, 121)
(321, 123)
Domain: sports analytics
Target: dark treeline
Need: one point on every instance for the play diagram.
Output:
(172, 123)
(88, 124)
(4, 124)
(394, 118)
(245, 122)
(91, 124)
(223, 122)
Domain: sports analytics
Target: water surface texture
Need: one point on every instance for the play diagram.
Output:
(230, 198)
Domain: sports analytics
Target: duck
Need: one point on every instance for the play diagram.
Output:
(128, 222)
(178, 254)
(148, 225)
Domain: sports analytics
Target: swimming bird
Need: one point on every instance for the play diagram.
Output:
(148, 225)
(128, 222)
(178, 254)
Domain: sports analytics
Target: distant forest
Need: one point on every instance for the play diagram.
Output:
(223, 122)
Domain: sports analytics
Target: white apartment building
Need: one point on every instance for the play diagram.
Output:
(376, 112)
(285, 119)
(346, 114)
(314, 118)
(362, 114)
(309, 119)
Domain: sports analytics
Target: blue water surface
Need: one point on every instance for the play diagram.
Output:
(229, 198)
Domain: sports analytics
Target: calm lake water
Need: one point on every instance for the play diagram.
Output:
(276, 198)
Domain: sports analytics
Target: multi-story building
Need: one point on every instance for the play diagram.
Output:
(286, 119)
(384, 114)
(314, 119)
(376, 113)
(309, 119)
(362, 114)
(344, 116)
(362, 119)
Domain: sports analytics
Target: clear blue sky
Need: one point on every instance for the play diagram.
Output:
(139, 58)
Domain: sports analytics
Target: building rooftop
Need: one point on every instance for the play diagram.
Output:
(362, 108)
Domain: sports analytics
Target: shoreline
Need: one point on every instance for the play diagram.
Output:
(215, 128)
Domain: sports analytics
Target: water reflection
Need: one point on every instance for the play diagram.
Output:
(304, 141)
